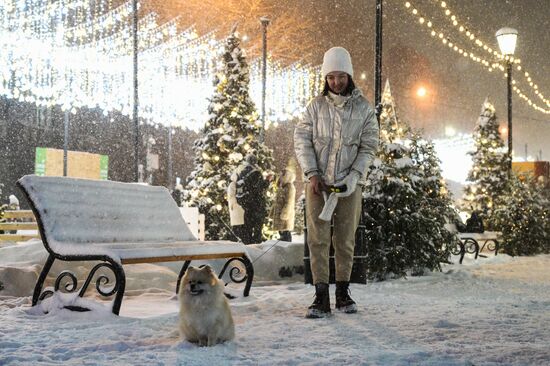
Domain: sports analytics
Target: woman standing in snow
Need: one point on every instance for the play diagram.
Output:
(282, 211)
(335, 143)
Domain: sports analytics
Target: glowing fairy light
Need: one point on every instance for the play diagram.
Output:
(454, 19)
(85, 60)
(489, 65)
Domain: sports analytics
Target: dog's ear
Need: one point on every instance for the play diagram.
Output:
(213, 281)
(206, 268)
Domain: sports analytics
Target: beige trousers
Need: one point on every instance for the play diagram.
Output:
(346, 218)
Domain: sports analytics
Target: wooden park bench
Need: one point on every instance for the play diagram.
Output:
(116, 224)
(18, 220)
(475, 243)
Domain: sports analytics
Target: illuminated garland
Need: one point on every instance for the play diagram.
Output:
(489, 65)
(469, 35)
(79, 54)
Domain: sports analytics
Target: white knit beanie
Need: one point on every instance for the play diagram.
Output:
(337, 59)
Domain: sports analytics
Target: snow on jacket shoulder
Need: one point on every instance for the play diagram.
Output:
(332, 141)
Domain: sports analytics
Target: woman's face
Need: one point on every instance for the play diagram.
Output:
(337, 81)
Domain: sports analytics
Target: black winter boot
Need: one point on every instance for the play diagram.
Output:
(343, 301)
(321, 305)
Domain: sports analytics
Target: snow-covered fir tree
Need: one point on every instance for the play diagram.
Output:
(437, 200)
(230, 133)
(405, 203)
(489, 173)
(391, 129)
(522, 214)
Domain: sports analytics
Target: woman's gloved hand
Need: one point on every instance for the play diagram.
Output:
(350, 181)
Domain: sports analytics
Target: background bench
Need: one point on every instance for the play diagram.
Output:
(116, 224)
(18, 220)
(475, 243)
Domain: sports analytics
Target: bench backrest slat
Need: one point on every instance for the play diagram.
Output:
(79, 211)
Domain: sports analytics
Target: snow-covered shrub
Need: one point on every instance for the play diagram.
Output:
(523, 216)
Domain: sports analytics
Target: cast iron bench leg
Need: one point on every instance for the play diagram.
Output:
(121, 284)
(244, 260)
(41, 279)
(182, 272)
(462, 251)
(249, 274)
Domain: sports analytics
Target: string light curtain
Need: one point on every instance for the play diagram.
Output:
(78, 53)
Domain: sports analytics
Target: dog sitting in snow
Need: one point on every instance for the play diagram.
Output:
(205, 316)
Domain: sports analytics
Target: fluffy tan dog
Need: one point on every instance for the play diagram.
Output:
(205, 316)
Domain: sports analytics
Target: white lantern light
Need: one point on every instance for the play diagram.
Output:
(507, 38)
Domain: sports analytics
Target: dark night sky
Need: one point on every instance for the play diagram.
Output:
(458, 85)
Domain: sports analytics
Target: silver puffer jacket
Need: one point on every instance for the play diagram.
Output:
(332, 141)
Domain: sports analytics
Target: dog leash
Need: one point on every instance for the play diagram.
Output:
(240, 240)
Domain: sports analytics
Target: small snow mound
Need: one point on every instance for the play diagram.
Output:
(57, 305)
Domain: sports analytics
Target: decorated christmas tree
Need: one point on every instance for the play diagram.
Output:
(391, 129)
(405, 203)
(489, 173)
(230, 134)
(436, 203)
(522, 214)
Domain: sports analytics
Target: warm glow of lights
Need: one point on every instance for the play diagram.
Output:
(490, 66)
(450, 131)
(421, 92)
(84, 61)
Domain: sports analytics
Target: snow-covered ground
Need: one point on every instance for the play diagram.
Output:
(492, 311)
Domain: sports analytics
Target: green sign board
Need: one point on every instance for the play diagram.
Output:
(103, 166)
(40, 161)
(80, 164)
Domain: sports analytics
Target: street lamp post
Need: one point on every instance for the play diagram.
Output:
(137, 137)
(170, 164)
(507, 38)
(378, 61)
(65, 142)
(265, 22)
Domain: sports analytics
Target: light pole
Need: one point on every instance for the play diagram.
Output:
(137, 137)
(170, 164)
(265, 22)
(65, 142)
(378, 62)
(507, 38)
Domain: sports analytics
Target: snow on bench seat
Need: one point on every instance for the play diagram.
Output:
(470, 242)
(486, 235)
(119, 223)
